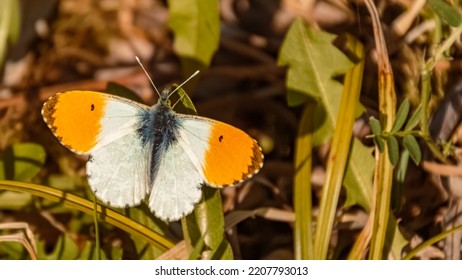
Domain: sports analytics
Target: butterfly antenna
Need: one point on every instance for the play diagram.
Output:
(146, 72)
(178, 87)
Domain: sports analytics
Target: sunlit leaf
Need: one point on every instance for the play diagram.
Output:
(446, 12)
(196, 26)
(184, 105)
(358, 176)
(312, 62)
(14, 200)
(207, 223)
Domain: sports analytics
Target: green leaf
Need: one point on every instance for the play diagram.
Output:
(207, 223)
(21, 162)
(446, 12)
(312, 63)
(12, 250)
(411, 144)
(375, 126)
(143, 215)
(402, 167)
(185, 105)
(89, 252)
(414, 119)
(397, 240)
(401, 116)
(14, 200)
(65, 249)
(378, 141)
(196, 25)
(358, 176)
(303, 235)
(197, 250)
(393, 149)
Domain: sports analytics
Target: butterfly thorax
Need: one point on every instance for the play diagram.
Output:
(158, 130)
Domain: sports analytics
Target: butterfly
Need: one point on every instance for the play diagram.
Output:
(137, 152)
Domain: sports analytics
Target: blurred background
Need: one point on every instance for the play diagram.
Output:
(50, 46)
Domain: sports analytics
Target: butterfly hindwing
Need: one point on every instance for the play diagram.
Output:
(177, 185)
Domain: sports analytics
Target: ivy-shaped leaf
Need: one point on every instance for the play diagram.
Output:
(312, 62)
(358, 176)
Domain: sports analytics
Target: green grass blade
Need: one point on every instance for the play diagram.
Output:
(9, 25)
(337, 160)
(303, 235)
(86, 206)
(384, 169)
(431, 241)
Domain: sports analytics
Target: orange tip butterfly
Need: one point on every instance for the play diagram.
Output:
(137, 151)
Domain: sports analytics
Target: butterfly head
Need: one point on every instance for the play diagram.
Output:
(164, 98)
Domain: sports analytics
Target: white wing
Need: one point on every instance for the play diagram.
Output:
(118, 167)
(177, 185)
(118, 171)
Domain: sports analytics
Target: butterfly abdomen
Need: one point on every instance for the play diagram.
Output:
(158, 128)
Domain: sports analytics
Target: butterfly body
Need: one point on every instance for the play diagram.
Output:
(138, 151)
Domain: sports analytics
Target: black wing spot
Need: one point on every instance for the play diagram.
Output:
(92, 107)
(220, 138)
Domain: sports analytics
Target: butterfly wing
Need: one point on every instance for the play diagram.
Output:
(176, 188)
(106, 127)
(206, 151)
(225, 154)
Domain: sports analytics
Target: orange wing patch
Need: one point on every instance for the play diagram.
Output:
(75, 118)
(232, 156)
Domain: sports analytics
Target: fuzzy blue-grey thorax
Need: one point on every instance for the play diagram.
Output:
(158, 130)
